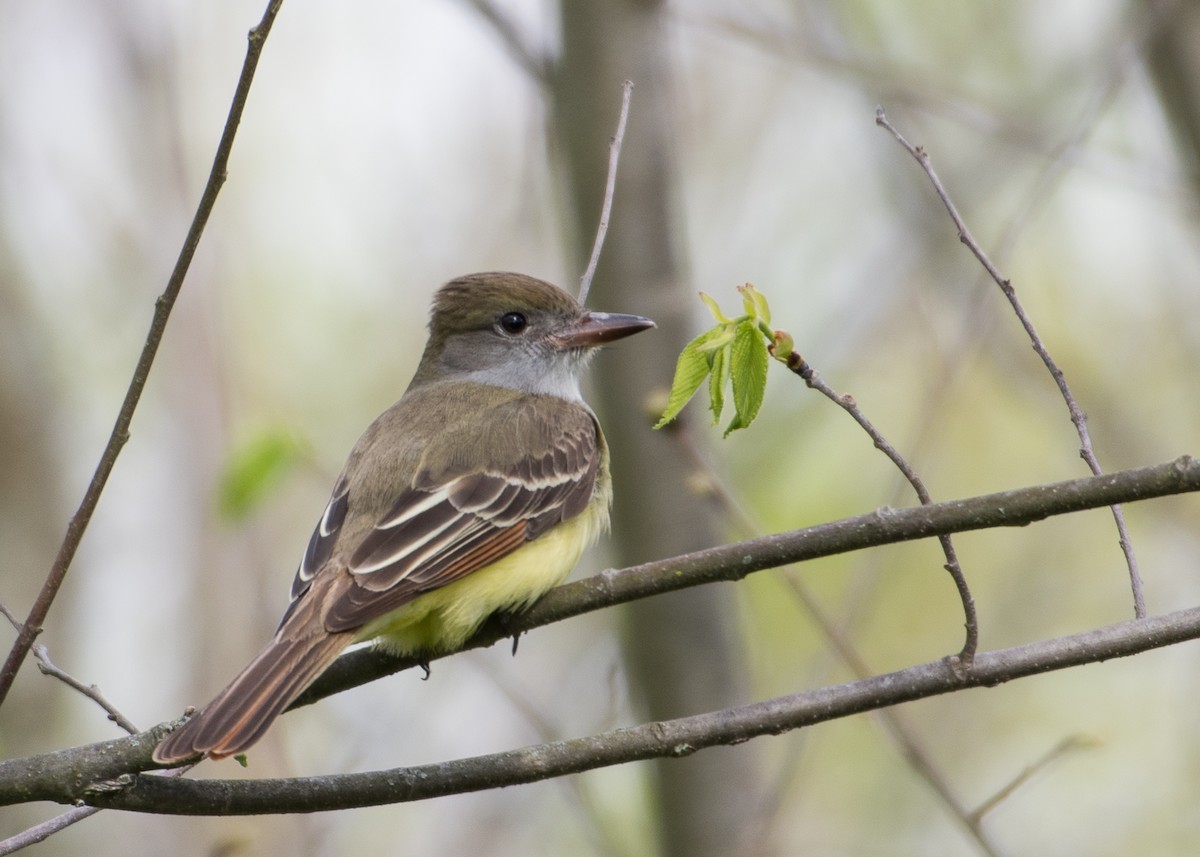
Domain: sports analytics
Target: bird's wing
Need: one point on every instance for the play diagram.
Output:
(456, 518)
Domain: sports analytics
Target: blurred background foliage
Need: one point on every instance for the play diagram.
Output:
(389, 147)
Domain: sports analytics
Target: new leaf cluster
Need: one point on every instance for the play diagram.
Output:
(732, 353)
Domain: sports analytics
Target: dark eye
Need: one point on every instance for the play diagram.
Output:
(513, 322)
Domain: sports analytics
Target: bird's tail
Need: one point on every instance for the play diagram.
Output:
(242, 712)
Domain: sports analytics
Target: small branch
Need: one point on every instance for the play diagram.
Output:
(610, 187)
(89, 690)
(663, 739)
(1078, 417)
(41, 832)
(32, 625)
(800, 366)
(10, 616)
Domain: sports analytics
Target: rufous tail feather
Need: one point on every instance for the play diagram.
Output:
(242, 712)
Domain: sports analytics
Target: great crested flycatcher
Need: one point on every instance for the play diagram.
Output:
(476, 492)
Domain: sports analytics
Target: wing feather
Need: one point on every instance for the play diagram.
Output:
(391, 543)
(452, 520)
(324, 537)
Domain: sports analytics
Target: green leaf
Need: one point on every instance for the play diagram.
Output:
(717, 338)
(714, 308)
(690, 371)
(748, 371)
(755, 303)
(254, 470)
(734, 351)
(716, 382)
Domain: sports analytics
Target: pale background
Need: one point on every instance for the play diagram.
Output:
(387, 147)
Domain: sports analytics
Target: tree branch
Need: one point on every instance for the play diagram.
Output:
(101, 774)
(665, 739)
(32, 625)
(733, 562)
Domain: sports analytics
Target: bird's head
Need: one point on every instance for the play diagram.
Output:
(510, 330)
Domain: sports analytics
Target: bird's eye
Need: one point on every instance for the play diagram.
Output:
(513, 322)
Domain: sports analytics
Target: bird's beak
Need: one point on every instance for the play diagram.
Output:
(597, 328)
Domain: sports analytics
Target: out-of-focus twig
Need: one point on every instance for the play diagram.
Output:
(1066, 745)
(536, 64)
(600, 833)
(10, 616)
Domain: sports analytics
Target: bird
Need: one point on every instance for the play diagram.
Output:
(475, 493)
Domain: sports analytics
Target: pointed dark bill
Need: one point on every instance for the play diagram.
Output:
(597, 328)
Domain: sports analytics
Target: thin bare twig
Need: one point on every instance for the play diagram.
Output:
(91, 691)
(960, 663)
(1078, 417)
(41, 832)
(610, 187)
(10, 616)
(32, 625)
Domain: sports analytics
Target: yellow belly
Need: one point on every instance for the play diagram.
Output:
(443, 619)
